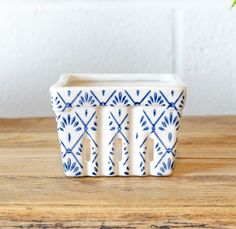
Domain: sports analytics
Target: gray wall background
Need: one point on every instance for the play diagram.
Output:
(41, 39)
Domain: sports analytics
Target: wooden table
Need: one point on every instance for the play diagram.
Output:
(35, 193)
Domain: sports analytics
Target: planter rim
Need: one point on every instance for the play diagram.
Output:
(111, 80)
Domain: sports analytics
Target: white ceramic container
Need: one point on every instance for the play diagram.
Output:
(139, 111)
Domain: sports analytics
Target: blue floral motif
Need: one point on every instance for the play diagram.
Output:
(112, 125)
(56, 102)
(181, 105)
(155, 99)
(120, 99)
(71, 168)
(111, 162)
(95, 169)
(86, 100)
(170, 120)
(94, 127)
(80, 149)
(125, 164)
(158, 149)
(144, 123)
(143, 162)
(166, 167)
(69, 121)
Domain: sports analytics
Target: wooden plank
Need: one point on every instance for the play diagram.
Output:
(38, 166)
(207, 137)
(186, 200)
(51, 216)
(28, 140)
(24, 125)
(175, 191)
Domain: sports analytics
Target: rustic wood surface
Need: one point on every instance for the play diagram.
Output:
(34, 193)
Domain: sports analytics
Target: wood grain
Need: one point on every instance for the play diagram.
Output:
(34, 193)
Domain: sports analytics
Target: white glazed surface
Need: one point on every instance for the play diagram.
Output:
(133, 108)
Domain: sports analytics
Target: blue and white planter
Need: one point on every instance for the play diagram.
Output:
(133, 108)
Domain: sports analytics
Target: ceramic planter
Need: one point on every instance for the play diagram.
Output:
(118, 124)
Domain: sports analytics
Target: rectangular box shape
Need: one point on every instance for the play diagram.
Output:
(118, 124)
